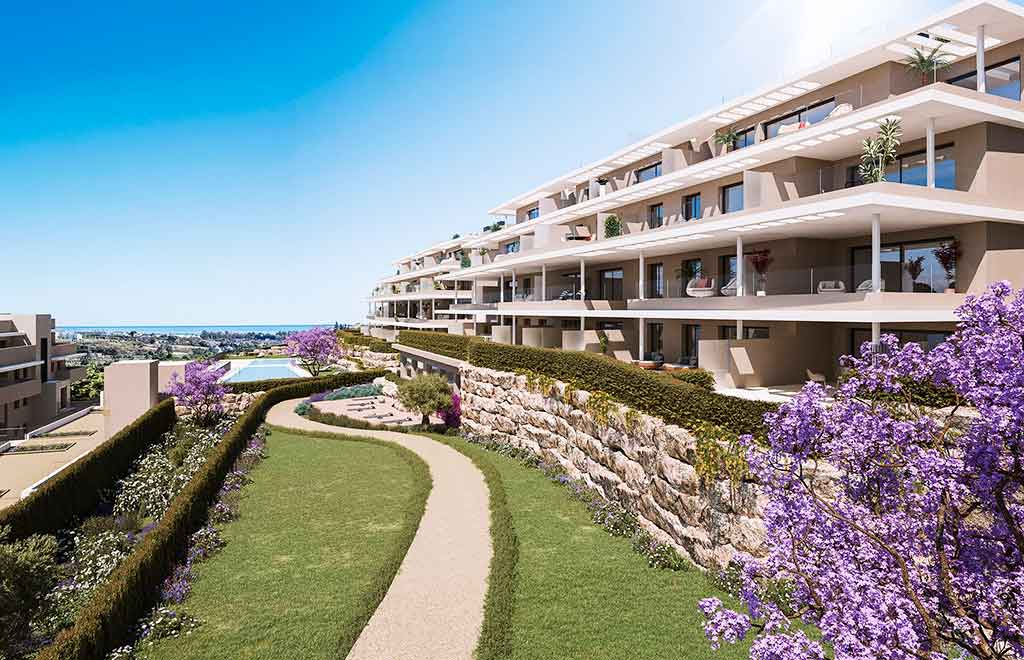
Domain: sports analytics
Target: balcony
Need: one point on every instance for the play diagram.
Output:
(13, 390)
(17, 355)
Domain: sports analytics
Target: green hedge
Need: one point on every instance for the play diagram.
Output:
(109, 617)
(699, 377)
(75, 492)
(374, 344)
(648, 391)
(330, 382)
(442, 343)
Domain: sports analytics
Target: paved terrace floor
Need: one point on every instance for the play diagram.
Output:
(434, 607)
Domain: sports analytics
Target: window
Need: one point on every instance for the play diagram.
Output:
(803, 118)
(744, 138)
(912, 168)
(727, 271)
(928, 339)
(511, 248)
(691, 341)
(1002, 79)
(533, 213)
(648, 173)
(691, 206)
(689, 269)
(655, 331)
(749, 332)
(911, 267)
(732, 198)
(609, 325)
(655, 215)
(611, 284)
(655, 280)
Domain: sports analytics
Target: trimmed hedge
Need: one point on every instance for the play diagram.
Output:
(75, 492)
(374, 344)
(699, 377)
(678, 403)
(329, 382)
(442, 343)
(108, 619)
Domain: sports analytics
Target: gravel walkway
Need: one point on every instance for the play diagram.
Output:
(434, 608)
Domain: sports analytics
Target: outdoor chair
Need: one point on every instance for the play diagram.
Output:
(865, 286)
(730, 288)
(831, 286)
(701, 287)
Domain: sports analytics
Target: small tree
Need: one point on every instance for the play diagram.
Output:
(916, 550)
(880, 152)
(926, 64)
(315, 348)
(201, 392)
(425, 394)
(89, 387)
(612, 226)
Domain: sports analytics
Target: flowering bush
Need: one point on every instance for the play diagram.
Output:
(452, 415)
(200, 392)
(916, 551)
(315, 348)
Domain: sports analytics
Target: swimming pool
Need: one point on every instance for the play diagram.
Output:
(264, 370)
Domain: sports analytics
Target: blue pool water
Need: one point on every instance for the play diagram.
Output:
(263, 370)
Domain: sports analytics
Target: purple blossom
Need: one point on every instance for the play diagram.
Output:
(200, 392)
(315, 348)
(451, 415)
(898, 531)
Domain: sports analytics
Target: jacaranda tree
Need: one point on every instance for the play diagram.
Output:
(200, 392)
(315, 348)
(914, 548)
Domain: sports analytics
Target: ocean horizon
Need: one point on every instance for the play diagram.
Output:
(191, 329)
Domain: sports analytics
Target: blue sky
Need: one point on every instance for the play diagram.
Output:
(264, 163)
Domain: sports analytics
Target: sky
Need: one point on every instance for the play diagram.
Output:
(230, 163)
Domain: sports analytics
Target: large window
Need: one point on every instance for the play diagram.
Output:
(648, 173)
(732, 198)
(533, 213)
(655, 215)
(691, 207)
(1002, 79)
(655, 347)
(928, 339)
(912, 168)
(691, 342)
(749, 332)
(802, 118)
(611, 284)
(727, 271)
(688, 269)
(744, 139)
(655, 280)
(909, 267)
(512, 247)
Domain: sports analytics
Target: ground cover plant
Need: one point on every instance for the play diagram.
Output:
(917, 553)
(319, 538)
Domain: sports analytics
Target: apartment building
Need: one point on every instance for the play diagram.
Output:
(35, 379)
(745, 241)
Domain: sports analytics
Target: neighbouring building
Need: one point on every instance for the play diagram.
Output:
(35, 379)
(744, 240)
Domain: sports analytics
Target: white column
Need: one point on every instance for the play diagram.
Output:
(513, 340)
(930, 151)
(583, 323)
(739, 328)
(642, 289)
(876, 334)
(641, 332)
(543, 282)
(876, 253)
(583, 281)
(980, 58)
(514, 283)
(739, 265)
(501, 288)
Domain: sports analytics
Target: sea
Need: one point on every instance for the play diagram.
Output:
(187, 330)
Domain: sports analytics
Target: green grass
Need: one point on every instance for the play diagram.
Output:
(577, 592)
(322, 532)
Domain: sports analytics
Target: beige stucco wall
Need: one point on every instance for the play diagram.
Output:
(130, 387)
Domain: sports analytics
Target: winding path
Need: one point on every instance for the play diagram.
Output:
(434, 608)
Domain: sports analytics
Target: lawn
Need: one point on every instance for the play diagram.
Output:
(582, 593)
(322, 531)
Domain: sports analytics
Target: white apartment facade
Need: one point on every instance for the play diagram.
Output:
(765, 259)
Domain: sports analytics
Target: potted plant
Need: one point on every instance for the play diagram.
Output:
(464, 260)
(928, 64)
(612, 226)
(603, 181)
(880, 152)
(726, 138)
(914, 268)
(947, 255)
(760, 261)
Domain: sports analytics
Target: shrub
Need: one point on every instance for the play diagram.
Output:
(76, 490)
(425, 394)
(699, 377)
(442, 343)
(612, 226)
(680, 403)
(372, 344)
(313, 385)
(29, 571)
(107, 621)
(200, 393)
(452, 414)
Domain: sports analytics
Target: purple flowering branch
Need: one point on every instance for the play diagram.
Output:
(315, 348)
(200, 392)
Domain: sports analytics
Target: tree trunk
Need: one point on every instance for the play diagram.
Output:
(426, 420)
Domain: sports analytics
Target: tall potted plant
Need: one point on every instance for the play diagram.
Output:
(928, 64)
(760, 261)
(612, 226)
(726, 139)
(947, 255)
(879, 152)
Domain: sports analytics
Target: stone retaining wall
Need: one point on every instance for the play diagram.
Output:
(651, 469)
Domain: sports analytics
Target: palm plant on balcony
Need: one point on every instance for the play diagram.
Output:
(760, 261)
(928, 64)
(726, 138)
(879, 152)
(612, 226)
